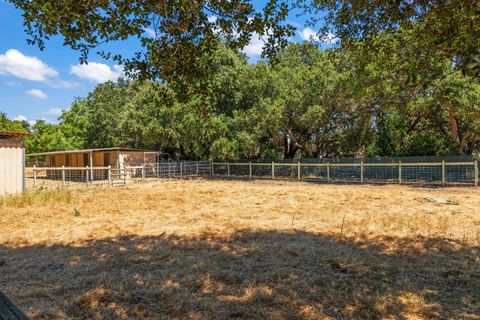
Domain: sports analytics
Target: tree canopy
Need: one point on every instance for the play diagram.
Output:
(403, 81)
(310, 103)
(174, 34)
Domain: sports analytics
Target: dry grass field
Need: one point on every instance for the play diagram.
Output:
(211, 249)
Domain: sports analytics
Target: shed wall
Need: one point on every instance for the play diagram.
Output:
(11, 167)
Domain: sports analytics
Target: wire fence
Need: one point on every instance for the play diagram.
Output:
(443, 173)
(74, 177)
(356, 172)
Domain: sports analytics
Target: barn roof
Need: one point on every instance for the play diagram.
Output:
(88, 151)
(13, 136)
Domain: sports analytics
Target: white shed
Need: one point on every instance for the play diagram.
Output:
(12, 162)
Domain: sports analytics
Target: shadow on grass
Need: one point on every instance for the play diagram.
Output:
(249, 275)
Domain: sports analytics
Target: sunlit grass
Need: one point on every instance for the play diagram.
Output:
(259, 249)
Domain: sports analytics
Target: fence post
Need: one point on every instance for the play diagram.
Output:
(197, 167)
(273, 170)
(328, 171)
(250, 170)
(362, 171)
(86, 177)
(475, 170)
(169, 170)
(181, 168)
(143, 172)
(443, 172)
(158, 170)
(228, 168)
(400, 172)
(63, 176)
(299, 171)
(213, 172)
(34, 176)
(110, 175)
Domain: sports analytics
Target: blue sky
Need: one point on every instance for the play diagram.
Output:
(38, 84)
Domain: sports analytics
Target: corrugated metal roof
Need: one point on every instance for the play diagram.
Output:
(86, 151)
(13, 136)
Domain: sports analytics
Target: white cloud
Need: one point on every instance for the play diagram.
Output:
(97, 72)
(54, 112)
(63, 84)
(308, 34)
(331, 38)
(15, 63)
(150, 32)
(20, 117)
(36, 93)
(255, 47)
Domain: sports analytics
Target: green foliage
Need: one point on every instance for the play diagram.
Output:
(449, 28)
(51, 137)
(12, 125)
(310, 103)
(172, 34)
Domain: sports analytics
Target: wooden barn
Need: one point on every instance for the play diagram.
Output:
(78, 160)
(115, 157)
(12, 162)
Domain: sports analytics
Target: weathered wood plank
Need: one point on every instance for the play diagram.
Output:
(9, 311)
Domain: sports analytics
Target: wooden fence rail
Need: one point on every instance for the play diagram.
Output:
(85, 176)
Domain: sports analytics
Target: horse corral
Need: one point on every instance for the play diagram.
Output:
(213, 249)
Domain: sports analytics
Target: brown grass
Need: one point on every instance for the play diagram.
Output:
(204, 249)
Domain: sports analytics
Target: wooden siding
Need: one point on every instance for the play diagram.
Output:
(81, 159)
(11, 167)
(115, 159)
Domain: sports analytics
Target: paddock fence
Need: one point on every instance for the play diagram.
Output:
(442, 173)
(358, 171)
(75, 177)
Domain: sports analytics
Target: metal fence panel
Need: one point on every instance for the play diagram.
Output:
(444, 172)
(358, 171)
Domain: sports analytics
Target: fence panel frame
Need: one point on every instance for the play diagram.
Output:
(334, 171)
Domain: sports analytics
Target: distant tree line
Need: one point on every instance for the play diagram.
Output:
(309, 103)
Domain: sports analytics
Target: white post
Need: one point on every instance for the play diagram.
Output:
(63, 176)
(400, 172)
(86, 177)
(143, 171)
(328, 171)
(34, 176)
(109, 175)
(273, 170)
(212, 169)
(443, 172)
(197, 167)
(475, 170)
(169, 170)
(228, 168)
(91, 165)
(181, 168)
(362, 169)
(299, 171)
(250, 170)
